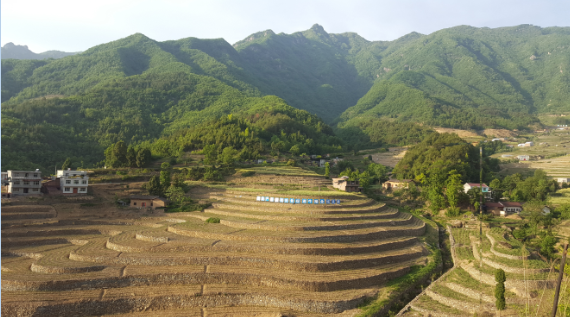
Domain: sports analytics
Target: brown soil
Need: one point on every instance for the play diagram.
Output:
(264, 259)
(460, 133)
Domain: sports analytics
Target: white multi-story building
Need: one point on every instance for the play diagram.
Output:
(73, 182)
(24, 182)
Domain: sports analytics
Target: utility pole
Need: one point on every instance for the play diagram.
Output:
(560, 275)
(480, 224)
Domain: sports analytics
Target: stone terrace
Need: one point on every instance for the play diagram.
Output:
(266, 258)
(468, 288)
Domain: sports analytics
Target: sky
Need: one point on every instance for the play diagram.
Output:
(73, 26)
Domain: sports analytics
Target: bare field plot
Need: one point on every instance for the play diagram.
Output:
(390, 158)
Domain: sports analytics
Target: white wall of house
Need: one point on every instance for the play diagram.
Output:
(24, 182)
(73, 182)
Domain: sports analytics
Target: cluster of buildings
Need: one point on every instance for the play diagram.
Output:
(22, 183)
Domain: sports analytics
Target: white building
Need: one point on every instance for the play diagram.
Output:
(529, 143)
(24, 182)
(563, 180)
(73, 182)
(523, 157)
(486, 190)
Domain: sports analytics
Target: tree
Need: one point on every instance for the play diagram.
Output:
(500, 278)
(143, 157)
(497, 191)
(453, 189)
(547, 244)
(120, 154)
(228, 155)
(327, 169)
(66, 164)
(165, 175)
(178, 180)
(377, 172)
(364, 180)
(295, 149)
(153, 186)
(131, 157)
(210, 154)
(175, 194)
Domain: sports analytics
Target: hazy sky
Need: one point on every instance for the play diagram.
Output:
(77, 25)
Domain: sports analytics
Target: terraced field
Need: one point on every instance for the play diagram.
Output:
(264, 259)
(468, 288)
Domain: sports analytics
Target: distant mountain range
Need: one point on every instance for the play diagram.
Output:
(138, 89)
(13, 51)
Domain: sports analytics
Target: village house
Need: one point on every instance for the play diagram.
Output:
(344, 184)
(72, 182)
(486, 190)
(395, 184)
(523, 157)
(148, 202)
(503, 208)
(24, 182)
(563, 180)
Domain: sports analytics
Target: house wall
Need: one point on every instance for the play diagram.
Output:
(148, 203)
(73, 182)
(24, 182)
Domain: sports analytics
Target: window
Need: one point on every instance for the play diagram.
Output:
(75, 182)
(83, 189)
(26, 183)
(35, 189)
(84, 182)
(68, 181)
(134, 203)
(67, 189)
(35, 175)
(26, 175)
(66, 174)
(36, 183)
(16, 182)
(151, 203)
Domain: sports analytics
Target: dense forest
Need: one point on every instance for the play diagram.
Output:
(371, 93)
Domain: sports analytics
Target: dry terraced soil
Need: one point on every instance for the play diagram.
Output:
(262, 259)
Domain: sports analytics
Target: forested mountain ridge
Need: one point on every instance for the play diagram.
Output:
(467, 77)
(137, 89)
(12, 51)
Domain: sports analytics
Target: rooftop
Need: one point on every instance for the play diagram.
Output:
(476, 184)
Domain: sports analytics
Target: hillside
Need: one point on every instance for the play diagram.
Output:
(137, 89)
(12, 51)
(467, 77)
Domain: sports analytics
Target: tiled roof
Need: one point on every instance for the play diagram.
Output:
(476, 184)
(144, 197)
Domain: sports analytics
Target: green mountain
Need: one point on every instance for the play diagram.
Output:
(12, 51)
(138, 90)
(467, 77)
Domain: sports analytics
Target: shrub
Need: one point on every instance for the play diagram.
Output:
(213, 220)
(248, 173)
(500, 278)
(452, 212)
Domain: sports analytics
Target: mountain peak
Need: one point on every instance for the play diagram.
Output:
(318, 28)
